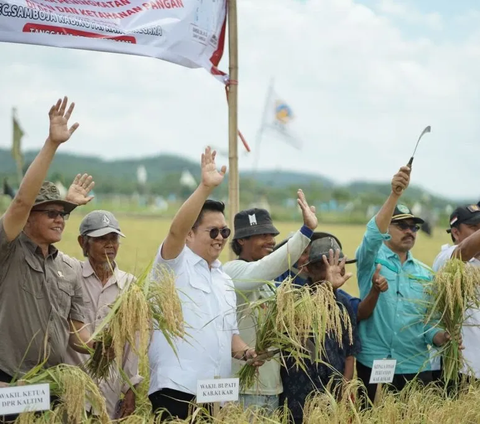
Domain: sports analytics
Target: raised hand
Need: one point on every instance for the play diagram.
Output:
(335, 269)
(80, 188)
(308, 212)
(59, 131)
(401, 180)
(379, 282)
(211, 177)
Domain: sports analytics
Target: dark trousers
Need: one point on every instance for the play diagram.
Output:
(5, 378)
(169, 404)
(398, 383)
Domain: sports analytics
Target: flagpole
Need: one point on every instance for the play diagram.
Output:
(259, 135)
(16, 150)
(233, 182)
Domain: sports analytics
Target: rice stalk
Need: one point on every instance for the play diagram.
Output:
(455, 289)
(74, 388)
(150, 302)
(290, 318)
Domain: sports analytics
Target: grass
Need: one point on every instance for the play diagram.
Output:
(144, 236)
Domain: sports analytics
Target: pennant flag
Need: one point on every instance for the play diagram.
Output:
(17, 144)
(280, 117)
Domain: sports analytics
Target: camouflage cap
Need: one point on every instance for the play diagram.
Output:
(49, 193)
(99, 223)
(322, 246)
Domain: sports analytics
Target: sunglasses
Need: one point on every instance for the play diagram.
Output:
(403, 226)
(214, 232)
(53, 214)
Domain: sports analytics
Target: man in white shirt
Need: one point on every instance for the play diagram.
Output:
(191, 249)
(465, 232)
(254, 242)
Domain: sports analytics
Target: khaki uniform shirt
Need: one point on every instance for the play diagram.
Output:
(38, 296)
(98, 299)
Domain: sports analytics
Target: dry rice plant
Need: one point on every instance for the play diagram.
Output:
(150, 302)
(289, 318)
(413, 405)
(455, 289)
(74, 388)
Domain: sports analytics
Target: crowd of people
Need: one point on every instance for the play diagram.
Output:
(51, 303)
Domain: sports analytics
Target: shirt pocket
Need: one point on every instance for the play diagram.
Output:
(64, 296)
(416, 301)
(33, 278)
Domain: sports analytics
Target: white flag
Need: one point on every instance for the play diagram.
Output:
(189, 33)
(279, 119)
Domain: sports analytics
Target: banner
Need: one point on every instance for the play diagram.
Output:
(190, 33)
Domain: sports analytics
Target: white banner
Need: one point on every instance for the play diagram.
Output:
(190, 33)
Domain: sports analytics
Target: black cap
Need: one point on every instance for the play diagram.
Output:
(252, 222)
(402, 212)
(469, 214)
(322, 246)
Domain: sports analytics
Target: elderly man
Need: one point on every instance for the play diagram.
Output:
(193, 245)
(396, 328)
(41, 305)
(254, 242)
(338, 360)
(102, 283)
(465, 232)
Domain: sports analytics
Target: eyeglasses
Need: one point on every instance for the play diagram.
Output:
(403, 226)
(53, 214)
(225, 232)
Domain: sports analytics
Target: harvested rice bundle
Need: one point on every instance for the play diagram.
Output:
(455, 289)
(287, 320)
(150, 302)
(74, 388)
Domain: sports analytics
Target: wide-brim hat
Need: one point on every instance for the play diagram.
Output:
(252, 222)
(402, 212)
(49, 193)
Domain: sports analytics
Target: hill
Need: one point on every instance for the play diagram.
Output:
(164, 171)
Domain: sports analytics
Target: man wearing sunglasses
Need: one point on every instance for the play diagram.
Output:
(465, 232)
(396, 327)
(191, 249)
(254, 242)
(40, 297)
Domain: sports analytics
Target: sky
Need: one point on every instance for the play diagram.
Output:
(363, 79)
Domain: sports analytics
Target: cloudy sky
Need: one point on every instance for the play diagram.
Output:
(362, 77)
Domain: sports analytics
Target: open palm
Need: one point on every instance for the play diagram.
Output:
(334, 268)
(211, 176)
(59, 116)
(80, 188)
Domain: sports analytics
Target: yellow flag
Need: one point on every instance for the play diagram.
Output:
(17, 142)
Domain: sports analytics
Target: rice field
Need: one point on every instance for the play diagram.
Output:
(144, 235)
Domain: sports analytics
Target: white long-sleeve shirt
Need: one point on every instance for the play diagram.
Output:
(209, 311)
(249, 278)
